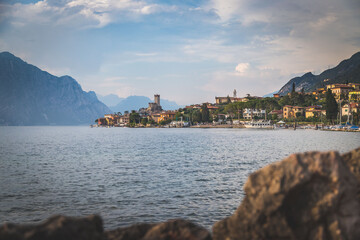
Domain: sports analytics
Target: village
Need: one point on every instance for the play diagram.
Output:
(334, 106)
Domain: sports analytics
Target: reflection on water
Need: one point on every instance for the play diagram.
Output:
(140, 175)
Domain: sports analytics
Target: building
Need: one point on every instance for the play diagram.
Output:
(124, 119)
(355, 86)
(318, 92)
(220, 100)
(314, 111)
(155, 106)
(354, 95)
(250, 113)
(341, 90)
(194, 106)
(278, 113)
(276, 95)
(167, 115)
(212, 108)
(292, 111)
(350, 108)
(163, 116)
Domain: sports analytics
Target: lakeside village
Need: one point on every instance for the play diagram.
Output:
(333, 107)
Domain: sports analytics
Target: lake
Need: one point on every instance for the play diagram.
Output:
(140, 175)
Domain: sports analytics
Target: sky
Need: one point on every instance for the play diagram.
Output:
(188, 51)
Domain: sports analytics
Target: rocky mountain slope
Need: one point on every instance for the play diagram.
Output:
(347, 71)
(30, 96)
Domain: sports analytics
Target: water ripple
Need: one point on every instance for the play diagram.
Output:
(140, 175)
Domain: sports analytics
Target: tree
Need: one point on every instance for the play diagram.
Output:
(204, 113)
(178, 116)
(144, 121)
(196, 116)
(331, 106)
(293, 87)
(228, 99)
(134, 117)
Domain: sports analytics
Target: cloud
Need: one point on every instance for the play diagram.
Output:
(82, 13)
(242, 67)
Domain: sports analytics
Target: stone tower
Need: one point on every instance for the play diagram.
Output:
(157, 99)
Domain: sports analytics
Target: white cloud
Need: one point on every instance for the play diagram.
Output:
(225, 9)
(242, 67)
(82, 13)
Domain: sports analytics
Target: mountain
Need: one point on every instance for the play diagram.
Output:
(110, 100)
(137, 102)
(347, 71)
(270, 94)
(30, 96)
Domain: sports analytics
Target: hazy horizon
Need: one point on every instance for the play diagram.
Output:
(189, 52)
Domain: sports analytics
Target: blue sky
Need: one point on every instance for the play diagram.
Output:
(188, 51)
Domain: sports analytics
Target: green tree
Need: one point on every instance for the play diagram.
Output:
(331, 106)
(178, 116)
(144, 121)
(228, 99)
(134, 117)
(196, 116)
(293, 87)
(204, 113)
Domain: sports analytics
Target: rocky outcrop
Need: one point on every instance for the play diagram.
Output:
(306, 196)
(56, 228)
(172, 229)
(91, 228)
(352, 160)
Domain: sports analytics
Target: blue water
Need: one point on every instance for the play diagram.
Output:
(140, 175)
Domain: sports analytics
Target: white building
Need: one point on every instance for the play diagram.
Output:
(250, 113)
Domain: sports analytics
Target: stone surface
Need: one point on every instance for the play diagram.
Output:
(91, 228)
(352, 160)
(172, 229)
(306, 196)
(56, 228)
(133, 232)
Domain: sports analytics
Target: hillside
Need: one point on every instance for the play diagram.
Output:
(30, 96)
(347, 71)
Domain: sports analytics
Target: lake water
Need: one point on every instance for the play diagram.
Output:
(140, 175)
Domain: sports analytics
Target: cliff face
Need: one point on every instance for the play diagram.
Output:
(347, 71)
(29, 96)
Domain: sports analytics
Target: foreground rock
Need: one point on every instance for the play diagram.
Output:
(306, 196)
(91, 228)
(173, 229)
(352, 160)
(56, 228)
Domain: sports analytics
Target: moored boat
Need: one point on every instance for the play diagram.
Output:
(259, 124)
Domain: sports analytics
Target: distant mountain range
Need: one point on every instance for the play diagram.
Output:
(347, 71)
(135, 103)
(30, 96)
(110, 100)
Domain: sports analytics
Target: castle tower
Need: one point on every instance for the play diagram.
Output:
(157, 99)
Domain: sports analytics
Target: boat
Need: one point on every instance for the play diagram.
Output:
(259, 124)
